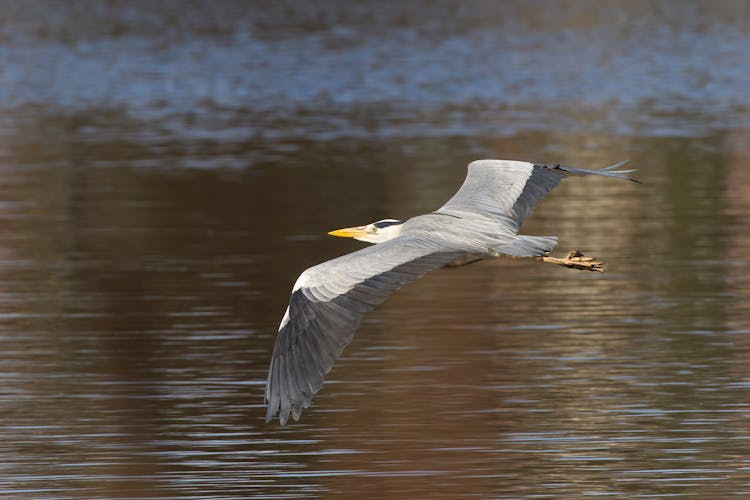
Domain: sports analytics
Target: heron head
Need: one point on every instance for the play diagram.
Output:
(376, 232)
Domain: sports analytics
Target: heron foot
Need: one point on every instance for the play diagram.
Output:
(576, 260)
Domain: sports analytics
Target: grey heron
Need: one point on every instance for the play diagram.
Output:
(328, 300)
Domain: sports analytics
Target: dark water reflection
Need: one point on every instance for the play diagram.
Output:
(166, 173)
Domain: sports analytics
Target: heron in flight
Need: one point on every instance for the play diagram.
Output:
(328, 300)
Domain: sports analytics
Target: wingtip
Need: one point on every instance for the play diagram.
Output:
(273, 413)
(269, 413)
(621, 173)
(609, 171)
(617, 165)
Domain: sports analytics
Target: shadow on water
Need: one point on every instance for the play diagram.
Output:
(155, 217)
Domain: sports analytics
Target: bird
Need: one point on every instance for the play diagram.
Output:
(328, 300)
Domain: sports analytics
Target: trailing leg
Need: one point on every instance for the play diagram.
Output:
(575, 260)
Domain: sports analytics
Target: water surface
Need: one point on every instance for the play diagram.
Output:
(166, 172)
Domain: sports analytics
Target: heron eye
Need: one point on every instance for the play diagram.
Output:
(372, 229)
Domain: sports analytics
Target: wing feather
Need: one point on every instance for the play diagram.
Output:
(510, 190)
(325, 309)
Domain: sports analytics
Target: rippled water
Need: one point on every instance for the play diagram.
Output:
(167, 171)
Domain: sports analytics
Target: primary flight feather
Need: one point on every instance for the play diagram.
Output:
(328, 300)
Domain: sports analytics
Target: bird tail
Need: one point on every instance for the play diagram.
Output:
(527, 246)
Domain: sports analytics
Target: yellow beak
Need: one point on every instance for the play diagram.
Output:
(349, 232)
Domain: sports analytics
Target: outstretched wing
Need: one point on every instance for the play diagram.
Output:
(325, 308)
(510, 190)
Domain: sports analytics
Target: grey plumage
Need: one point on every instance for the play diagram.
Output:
(328, 300)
